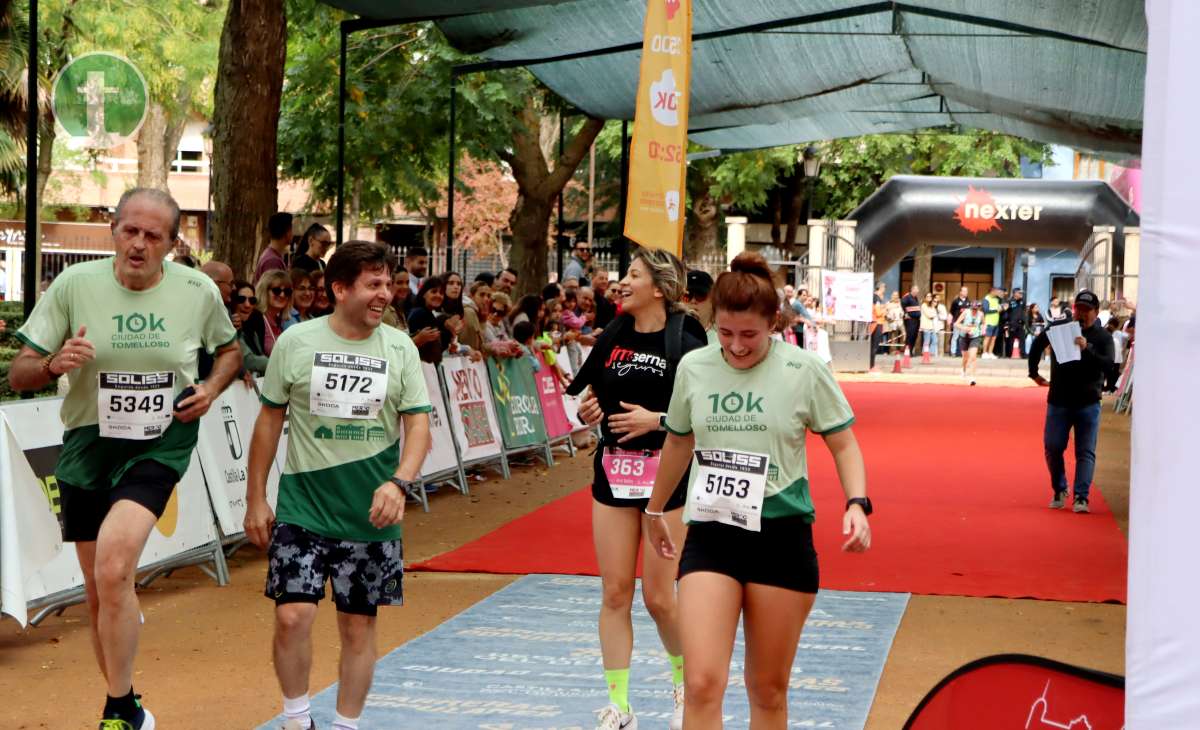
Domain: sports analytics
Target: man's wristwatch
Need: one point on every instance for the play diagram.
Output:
(864, 502)
(409, 488)
(46, 361)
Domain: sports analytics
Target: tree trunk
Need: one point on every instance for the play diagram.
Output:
(923, 267)
(1010, 263)
(350, 226)
(776, 217)
(157, 142)
(537, 191)
(245, 126)
(796, 188)
(702, 239)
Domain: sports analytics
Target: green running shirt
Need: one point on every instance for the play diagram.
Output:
(157, 330)
(334, 465)
(766, 410)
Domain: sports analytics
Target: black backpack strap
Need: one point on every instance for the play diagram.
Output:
(674, 336)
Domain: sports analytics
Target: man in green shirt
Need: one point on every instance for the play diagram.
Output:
(347, 384)
(128, 330)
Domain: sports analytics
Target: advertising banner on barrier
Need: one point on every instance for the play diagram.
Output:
(517, 404)
(29, 533)
(551, 395)
(471, 411)
(224, 451)
(187, 522)
(441, 457)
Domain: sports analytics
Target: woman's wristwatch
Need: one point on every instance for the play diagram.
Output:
(662, 422)
(863, 502)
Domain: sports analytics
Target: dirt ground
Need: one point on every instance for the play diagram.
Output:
(204, 660)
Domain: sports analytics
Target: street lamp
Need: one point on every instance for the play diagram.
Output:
(812, 162)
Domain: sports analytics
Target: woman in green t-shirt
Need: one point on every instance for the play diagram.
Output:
(743, 410)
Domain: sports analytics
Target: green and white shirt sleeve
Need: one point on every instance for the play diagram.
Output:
(826, 411)
(49, 324)
(679, 412)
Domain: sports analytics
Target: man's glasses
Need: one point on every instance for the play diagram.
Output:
(281, 291)
(239, 299)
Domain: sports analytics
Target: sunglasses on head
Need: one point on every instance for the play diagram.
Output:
(238, 299)
(281, 291)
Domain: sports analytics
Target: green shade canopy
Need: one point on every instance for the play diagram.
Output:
(774, 72)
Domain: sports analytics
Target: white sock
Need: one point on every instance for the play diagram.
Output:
(341, 722)
(297, 708)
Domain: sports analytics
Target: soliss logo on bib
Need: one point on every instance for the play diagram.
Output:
(346, 385)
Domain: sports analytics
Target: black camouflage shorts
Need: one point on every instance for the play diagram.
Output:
(365, 575)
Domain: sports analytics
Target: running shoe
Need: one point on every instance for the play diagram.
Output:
(1059, 501)
(677, 715)
(611, 718)
(1081, 505)
(119, 724)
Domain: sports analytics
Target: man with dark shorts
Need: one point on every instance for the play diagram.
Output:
(347, 384)
(128, 329)
(912, 318)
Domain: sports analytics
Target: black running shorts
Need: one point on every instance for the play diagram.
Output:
(781, 555)
(147, 483)
(364, 575)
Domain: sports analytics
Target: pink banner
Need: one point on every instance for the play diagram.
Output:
(551, 396)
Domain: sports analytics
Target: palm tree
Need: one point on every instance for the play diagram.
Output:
(14, 47)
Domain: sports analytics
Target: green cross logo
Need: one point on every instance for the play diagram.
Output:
(100, 100)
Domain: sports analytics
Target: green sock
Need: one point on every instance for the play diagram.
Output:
(618, 687)
(676, 669)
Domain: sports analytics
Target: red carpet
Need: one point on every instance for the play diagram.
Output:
(960, 488)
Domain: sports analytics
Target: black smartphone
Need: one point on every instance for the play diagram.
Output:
(184, 394)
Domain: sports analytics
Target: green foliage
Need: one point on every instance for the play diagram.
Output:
(174, 44)
(854, 168)
(397, 111)
(742, 179)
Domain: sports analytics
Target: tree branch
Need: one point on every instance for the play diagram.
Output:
(564, 167)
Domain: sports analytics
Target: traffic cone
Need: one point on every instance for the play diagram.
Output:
(907, 359)
(926, 358)
(896, 366)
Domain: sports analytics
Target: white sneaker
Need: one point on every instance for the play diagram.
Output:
(295, 725)
(677, 715)
(611, 718)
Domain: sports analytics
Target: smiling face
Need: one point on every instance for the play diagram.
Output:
(303, 295)
(246, 304)
(401, 288)
(434, 298)
(142, 239)
(320, 296)
(744, 337)
(637, 290)
(362, 304)
(279, 296)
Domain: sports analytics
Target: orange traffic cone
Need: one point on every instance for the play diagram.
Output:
(926, 358)
(896, 366)
(907, 358)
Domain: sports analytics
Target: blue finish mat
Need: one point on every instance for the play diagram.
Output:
(528, 658)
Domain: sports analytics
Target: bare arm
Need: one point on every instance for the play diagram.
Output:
(387, 506)
(676, 455)
(226, 366)
(263, 445)
(852, 473)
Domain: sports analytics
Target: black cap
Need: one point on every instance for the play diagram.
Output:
(1088, 299)
(699, 283)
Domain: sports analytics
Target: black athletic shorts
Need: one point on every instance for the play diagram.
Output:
(365, 575)
(147, 483)
(781, 555)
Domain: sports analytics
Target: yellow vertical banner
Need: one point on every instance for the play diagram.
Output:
(657, 163)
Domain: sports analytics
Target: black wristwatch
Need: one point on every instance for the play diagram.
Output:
(409, 488)
(662, 422)
(864, 502)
